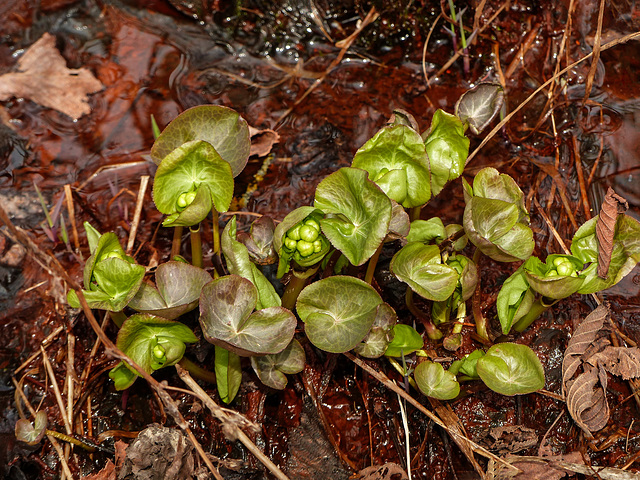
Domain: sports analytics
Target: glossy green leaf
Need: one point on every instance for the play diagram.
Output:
(435, 382)
(219, 126)
(338, 312)
(226, 318)
(405, 341)
(400, 224)
(381, 334)
(32, 433)
(420, 266)
(544, 279)
(152, 342)
(467, 365)
(447, 147)
(624, 257)
(272, 369)
(119, 280)
(514, 300)
(480, 105)
(108, 246)
(192, 167)
(511, 369)
(177, 290)
(426, 231)
(397, 162)
(495, 219)
(468, 275)
(357, 213)
(93, 236)
(228, 374)
(239, 263)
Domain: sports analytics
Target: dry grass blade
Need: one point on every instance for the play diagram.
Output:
(596, 53)
(144, 181)
(612, 206)
(72, 216)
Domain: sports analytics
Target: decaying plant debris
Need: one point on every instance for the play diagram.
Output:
(558, 148)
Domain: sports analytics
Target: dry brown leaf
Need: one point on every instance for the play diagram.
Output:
(590, 350)
(262, 141)
(107, 473)
(388, 471)
(612, 206)
(512, 439)
(43, 77)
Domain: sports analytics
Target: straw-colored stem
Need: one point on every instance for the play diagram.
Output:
(196, 246)
(297, 281)
(177, 241)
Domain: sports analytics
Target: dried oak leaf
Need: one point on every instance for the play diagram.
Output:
(512, 439)
(262, 141)
(590, 350)
(612, 206)
(43, 77)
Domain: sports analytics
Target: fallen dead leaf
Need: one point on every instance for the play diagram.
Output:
(388, 471)
(43, 77)
(589, 350)
(107, 473)
(612, 206)
(262, 141)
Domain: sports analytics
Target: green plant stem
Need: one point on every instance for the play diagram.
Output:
(537, 309)
(371, 267)
(462, 312)
(432, 331)
(197, 371)
(177, 241)
(89, 446)
(216, 242)
(480, 320)
(414, 213)
(196, 246)
(118, 318)
(297, 281)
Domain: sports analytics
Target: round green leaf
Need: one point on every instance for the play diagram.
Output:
(511, 369)
(381, 334)
(338, 312)
(272, 369)
(226, 304)
(221, 127)
(193, 166)
(480, 105)
(357, 213)
(435, 382)
(420, 267)
(397, 162)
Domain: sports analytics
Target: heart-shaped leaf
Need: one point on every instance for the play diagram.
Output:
(435, 382)
(152, 342)
(405, 341)
(226, 304)
(32, 433)
(480, 105)
(420, 266)
(397, 162)
(177, 290)
(447, 147)
(239, 263)
(191, 179)
(338, 312)
(511, 369)
(357, 213)
(219, 126)
(375, 343)
(272, 369)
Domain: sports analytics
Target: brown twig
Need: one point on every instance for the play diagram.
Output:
(144, 181)
(583, 186)
(72, 217)
(596, 54)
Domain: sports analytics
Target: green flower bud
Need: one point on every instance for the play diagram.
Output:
(290, 243)
(185, 199)
(294, 233)
(114, 254)
(317, 246)
(565, 269)
(552, 273)
(312, 223)
(305, 248)
(308, 233)
(159, 352)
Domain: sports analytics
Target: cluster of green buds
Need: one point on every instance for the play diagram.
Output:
(305, 238)
(562, 266)
(159, 357)
(299, 238)
(185, 199)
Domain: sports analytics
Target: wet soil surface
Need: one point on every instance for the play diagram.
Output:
(260, 58)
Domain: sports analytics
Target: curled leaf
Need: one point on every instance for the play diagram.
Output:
(612, 206)
(480, 105)
(435, 382)
(32, 433)
(511, 369)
